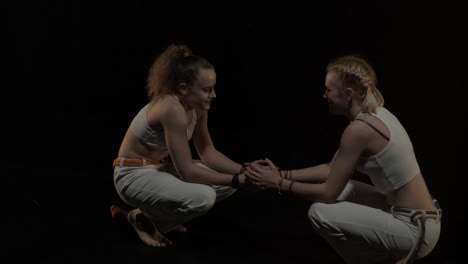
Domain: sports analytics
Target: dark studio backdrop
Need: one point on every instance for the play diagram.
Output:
(76, 73)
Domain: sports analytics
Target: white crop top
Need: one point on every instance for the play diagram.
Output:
(396, 164)
(153, 137)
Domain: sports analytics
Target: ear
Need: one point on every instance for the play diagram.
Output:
(183, 88)
(349, 91)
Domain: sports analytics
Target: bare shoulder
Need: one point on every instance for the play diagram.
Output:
(166, 105)
(356, 133)
(356, 129)
(370, 124)
(165, 109)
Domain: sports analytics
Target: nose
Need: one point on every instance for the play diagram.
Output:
(213, 94)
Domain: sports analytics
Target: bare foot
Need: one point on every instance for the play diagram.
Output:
(143, 227)
(146, 230)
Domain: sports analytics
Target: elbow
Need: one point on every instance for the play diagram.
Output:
(328, 195)
(328, 200)
(185, 174)
(184, 177)
(321, 198)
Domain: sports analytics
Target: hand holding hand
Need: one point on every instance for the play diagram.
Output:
(247, 184)
(263, 173)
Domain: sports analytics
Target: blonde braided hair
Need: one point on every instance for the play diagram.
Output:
(357, 73)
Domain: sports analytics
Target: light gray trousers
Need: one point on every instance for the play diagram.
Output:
(361, 228)
(165, 199)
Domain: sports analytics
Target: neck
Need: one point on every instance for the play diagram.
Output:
(183, 102)
(355, 115)
(354, 112)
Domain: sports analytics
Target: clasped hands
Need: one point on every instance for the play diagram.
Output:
(260, 175)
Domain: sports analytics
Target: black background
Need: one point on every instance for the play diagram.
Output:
(75, 75)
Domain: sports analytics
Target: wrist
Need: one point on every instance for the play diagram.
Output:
(242, 169)
(280, 172)
(285, 174)
(279, 185)
(235, 181)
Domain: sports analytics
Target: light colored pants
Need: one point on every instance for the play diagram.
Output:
(165, 199)
(361, 228)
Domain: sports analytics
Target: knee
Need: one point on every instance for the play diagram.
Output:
(317, 215)
(202, 200)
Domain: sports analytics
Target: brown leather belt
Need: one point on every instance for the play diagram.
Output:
(135, 162)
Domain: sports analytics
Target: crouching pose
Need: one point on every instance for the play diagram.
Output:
(393, 220)
(154, 171)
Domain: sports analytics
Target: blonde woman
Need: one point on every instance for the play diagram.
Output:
(393, 220)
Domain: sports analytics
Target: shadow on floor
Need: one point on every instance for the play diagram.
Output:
(245, 228)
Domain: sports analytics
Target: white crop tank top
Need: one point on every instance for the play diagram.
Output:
(153, 137)
(396, 164)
